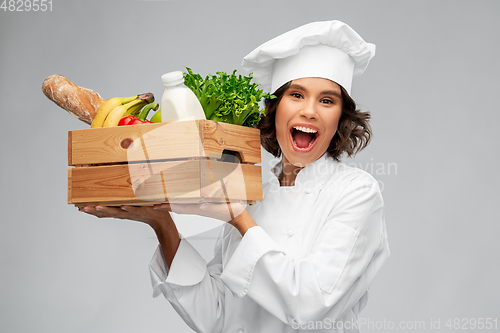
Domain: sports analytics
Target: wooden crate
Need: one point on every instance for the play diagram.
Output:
(165, 162)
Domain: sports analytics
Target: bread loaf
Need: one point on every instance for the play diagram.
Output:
(80, 102)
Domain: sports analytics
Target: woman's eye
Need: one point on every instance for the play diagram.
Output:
(296, 95)
(326, 101)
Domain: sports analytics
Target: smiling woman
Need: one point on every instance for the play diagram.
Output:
(306, 119)
(353, 131)
(311, 248)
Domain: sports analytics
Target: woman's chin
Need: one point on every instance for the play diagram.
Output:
(301, 159)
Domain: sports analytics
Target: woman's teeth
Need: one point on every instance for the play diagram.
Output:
(312, 137)
(305, 129)
(310, 143)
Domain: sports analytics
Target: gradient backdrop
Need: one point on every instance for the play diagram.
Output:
(433, 91)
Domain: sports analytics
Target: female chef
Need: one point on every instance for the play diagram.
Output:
(304, 257)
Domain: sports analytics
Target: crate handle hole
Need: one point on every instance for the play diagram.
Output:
(231, 156)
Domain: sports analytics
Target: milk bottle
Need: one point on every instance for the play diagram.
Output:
(178, 101)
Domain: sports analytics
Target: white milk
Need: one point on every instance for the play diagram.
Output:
(178, 101)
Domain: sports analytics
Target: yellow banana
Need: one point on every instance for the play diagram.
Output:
(121, 111)
(107, 107)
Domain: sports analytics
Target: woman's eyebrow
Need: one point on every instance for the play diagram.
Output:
(326, 92)
(331, 92)
(296, 86)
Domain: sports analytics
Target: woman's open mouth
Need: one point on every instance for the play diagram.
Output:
(303, 138)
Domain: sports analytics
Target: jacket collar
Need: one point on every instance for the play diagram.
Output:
(313, 175)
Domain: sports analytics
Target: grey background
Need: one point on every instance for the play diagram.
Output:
(433, 92)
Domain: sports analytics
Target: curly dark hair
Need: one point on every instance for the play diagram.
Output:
(353, 133)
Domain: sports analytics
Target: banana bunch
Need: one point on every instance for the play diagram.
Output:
(114, 109)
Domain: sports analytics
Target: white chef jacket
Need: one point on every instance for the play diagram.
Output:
(306, 266)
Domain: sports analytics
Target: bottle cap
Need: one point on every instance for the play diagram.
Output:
(172, 78)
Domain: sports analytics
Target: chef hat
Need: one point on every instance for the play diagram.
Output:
(330, 49)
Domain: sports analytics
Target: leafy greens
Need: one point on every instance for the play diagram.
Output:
(228, 98)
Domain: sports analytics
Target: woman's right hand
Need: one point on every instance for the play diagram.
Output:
(159, 220)
(146, 214)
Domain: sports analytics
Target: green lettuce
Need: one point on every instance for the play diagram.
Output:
(228, 98)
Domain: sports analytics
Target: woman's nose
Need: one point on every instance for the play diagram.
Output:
(308, 110)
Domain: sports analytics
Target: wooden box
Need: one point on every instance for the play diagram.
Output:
(148, 164)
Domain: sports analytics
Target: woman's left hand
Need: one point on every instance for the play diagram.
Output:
(232, 213)
(221, 211)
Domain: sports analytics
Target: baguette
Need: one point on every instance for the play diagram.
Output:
(81, 102)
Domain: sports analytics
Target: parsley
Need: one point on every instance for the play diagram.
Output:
(228, 98)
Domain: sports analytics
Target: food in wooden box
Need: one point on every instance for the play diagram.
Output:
(166, 162)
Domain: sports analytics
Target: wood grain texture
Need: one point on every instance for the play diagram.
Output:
(177, 140)
(70, 183)
(230, 181)
(70, 147)
(153, 141)
(185, 181)
(217, 137)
